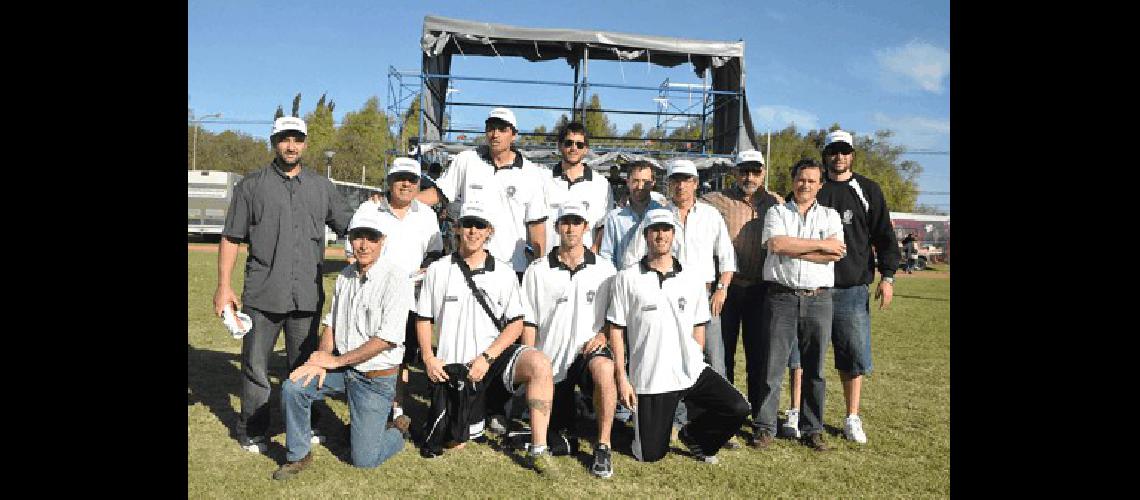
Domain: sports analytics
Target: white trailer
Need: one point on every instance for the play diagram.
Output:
(208, 197)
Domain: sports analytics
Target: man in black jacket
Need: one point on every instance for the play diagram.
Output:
(866, 225)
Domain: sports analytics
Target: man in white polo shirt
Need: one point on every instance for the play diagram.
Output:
(509, 186)
(804, 239)
(415, 231)
(480, 331)
(359, 353)
(565, 297)
(663, 307)
(572, 180)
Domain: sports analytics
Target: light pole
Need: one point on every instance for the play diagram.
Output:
(196, 121)
(328, 163)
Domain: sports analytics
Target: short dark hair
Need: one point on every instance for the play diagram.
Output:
(806, 163)
(636, 165)
(574, 127)
(499, 122)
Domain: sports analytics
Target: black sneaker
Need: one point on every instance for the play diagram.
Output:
(603, 466)
(695, 448)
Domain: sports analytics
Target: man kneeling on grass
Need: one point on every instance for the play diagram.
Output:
(475, 298)
(566, 295)
(664, 309)
(360, 351)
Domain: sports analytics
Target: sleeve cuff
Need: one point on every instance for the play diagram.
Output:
(425, 318)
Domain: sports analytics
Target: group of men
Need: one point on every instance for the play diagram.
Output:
(550, 288)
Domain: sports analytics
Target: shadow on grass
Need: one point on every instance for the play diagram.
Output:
(919, 297)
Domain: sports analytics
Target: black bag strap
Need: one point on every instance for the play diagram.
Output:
(478, 293)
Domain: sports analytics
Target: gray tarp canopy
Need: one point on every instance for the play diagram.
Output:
(443, 37)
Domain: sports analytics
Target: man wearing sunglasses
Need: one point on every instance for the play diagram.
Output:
(359, 353)
(508, 185)
(866, 224)
(480, 331)
(280, 211)
(413, 225)
(565, 297)
(572, 180)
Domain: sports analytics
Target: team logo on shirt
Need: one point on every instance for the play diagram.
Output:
(450, 298)
(590, 296)
(510, 191)
(562, 299)
(681, 304)
(650, 307)
(847, 216)
(476, 186)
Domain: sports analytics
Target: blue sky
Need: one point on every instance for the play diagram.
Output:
(868, 65)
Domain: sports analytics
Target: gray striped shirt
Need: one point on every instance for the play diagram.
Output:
(373, 305)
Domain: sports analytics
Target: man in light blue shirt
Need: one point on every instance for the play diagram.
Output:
(621, 223)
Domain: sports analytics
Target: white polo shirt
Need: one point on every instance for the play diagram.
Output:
(465, 330)
(411, 238)
(513, 196)
(659, 311)
(566, 306)
(372, 305)
(592, 190)
(702, 236)
(819, 223)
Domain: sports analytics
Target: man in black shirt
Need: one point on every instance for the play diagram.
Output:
(866, 224)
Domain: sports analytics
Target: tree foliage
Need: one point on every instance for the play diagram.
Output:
(228, 151)
(597, 123)
(362, 143)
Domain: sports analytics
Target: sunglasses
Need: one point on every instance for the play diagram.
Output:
(843, 151)
(568, 144)
(475, 223)
(368, 234)
(403, 176)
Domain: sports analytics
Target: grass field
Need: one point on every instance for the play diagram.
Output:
(906, 414)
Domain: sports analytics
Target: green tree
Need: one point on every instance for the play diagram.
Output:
(280, 112)
(296, 105)
(634, 135)
(320, 137)
(597, 124)
(228, 151)
(363, 140)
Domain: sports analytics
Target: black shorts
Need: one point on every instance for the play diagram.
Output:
(498, 384)
(562, 411)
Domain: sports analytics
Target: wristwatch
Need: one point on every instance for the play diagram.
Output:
(719, 286)
(490, 359)
(889, 279)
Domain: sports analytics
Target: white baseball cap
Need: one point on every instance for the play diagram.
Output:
(571, 208)
(368, 217)
(475, 210)
(749, 156)
(686, 167)
(403, 164)
(505, 115)
(838, 136)
(286, 123)
(660, 216)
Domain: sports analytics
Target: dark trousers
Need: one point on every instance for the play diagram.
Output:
(744, 315)
(723, 409)
(300, 340)
(805, 320)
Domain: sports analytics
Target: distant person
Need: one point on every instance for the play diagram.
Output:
(508, 185)
(475, 301)
(572, 180)
(662, 307)
(416, 242)
(910, 252)
(281, 211)
(866, 225)
(803, 239)
(359, 353)
(565, 297)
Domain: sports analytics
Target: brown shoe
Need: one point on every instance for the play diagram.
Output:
(815, 442)
(291, 469)
(760, 440)
(402, 423)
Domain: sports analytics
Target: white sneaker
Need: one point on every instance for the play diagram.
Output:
(853, 429)
(317, 438)
(254, 445)
(791, 427)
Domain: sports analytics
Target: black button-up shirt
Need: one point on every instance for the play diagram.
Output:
(283, 218)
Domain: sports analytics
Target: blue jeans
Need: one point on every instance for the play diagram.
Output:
(851, 329)
(369, 402)
(806, 321)
(257, 347)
